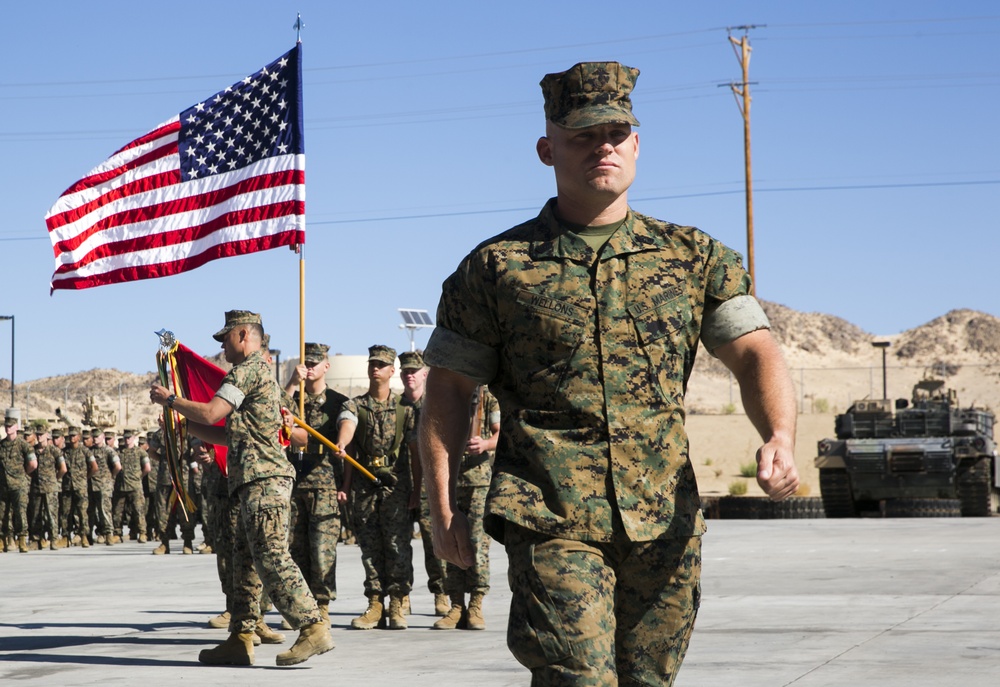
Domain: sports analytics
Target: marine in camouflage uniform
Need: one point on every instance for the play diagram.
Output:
(211, 476)
(169, 513)
(585, 323)
(260, 475)
(17, 461)
(473, 483)
(103, 459)
(152, 448)
(129, 504)
(30, 435)
(315, 519)
(413, 373)
(44, 515)
(73, 509)
(376, 425)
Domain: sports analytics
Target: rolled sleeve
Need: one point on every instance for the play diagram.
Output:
(732, 319)
(457, 353)
(231, 394)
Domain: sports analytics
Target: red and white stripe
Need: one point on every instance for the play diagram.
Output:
(132, 217)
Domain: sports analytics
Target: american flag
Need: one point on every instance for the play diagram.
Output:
(225, 177)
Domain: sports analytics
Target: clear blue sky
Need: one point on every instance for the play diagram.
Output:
(876, 153)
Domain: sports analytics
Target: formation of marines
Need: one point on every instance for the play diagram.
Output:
(73, 486)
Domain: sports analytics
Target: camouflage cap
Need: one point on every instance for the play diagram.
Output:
(73, 430)
(56, 432)
(86, 433)
(40, 425)
(11, 417)
(590, 93)
(142, 439)
(29, 430)
(265, 342)
(235, 318)
(316, 352)
(109, 434)
(411, 360)
(383, 354)
(128, 433)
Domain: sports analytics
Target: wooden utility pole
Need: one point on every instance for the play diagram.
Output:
(742, 93)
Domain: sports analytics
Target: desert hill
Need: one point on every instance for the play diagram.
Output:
(832, 361)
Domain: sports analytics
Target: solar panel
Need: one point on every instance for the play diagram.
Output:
(416, 318)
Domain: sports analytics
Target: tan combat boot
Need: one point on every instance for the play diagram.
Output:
(22, 544)
(441, 605)
(267, 635)
(60, 543)
(162, 549)
(454, 617)
(474, 619)
(397, 618)
(313, 640)
(143, 538)
(237, 650)
(188, 547)
(85, 541)
(406, 605)
(324, 610)
(220, 622)
(371, 617)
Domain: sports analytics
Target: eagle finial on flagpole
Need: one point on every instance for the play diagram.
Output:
(298, 26)
(167, 339)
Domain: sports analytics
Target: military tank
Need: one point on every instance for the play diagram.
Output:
(923, 457)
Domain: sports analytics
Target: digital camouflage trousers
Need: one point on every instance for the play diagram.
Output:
(261, 560)
(588, 613)
(313, 537)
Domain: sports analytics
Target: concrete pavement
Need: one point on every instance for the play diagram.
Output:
(810, 603)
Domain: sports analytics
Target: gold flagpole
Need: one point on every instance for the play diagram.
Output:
(336, 449)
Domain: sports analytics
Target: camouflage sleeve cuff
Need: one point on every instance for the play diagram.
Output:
(731, 320)
(231, 394)
(454, 352)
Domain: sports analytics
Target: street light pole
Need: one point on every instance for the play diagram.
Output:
(11, 318)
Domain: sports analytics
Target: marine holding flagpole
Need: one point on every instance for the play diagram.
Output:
(250, 401)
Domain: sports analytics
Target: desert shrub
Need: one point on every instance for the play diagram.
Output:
(738, 488)
(748, 469)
